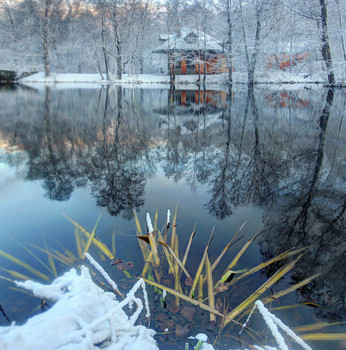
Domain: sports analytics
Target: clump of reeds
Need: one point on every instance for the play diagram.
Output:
(203, 285)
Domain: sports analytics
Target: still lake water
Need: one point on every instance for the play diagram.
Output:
(271, 156)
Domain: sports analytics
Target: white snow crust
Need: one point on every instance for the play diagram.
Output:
(83, 316)
(70, 80)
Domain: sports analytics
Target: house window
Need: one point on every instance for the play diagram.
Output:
(191, 38)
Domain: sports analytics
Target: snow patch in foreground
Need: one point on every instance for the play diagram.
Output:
(84, 315)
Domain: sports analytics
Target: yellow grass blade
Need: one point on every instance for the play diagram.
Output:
(52, 265)
(177, 284)
(315, 326)
(174, 229)
(290, 289)
(6, 279)
(280, 257)
(78, 243)
(199, 270)
(311, 304)
(189, 245)
(154, 250)
(34, 256)
(168, 257)
(210, 283)
(176, 245)
(62, 256)
(177, 260)
(237, 257)
(97, 243)
(71, 256)
(146, 265)
(91, 237)
(324, 336)
(82, 243)
(165, 250)
(113, 243)
(184, 297)
(138, 225)
(216, 262)
(155, 219)
(24, 265)
(200, 267)
(55, 256)
(16, 274)
(265, 286)
(142, 245)
(286, 307)
(200, 288)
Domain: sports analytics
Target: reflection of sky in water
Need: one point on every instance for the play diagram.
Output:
(267, 164)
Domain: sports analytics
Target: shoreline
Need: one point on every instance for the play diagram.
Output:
(151, 79)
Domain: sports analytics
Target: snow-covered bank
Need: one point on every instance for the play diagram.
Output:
(181, 80)
(55, 78)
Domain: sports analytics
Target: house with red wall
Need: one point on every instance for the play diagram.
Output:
(189, 52)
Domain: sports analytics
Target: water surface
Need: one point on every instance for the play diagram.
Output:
(270, 156)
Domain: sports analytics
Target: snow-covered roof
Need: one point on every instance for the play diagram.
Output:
(189, 39)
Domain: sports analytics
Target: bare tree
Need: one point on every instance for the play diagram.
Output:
(319, 14)
(46, 4)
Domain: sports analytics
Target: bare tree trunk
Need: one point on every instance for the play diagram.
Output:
(46, 5)
(198, 46)
(204, 43)
(119, 57)
(251, 68)
(341, 31)
(104, 43)
(117, 43)
(229, 22)
(327, 57)
(244, 36)
(7, 9)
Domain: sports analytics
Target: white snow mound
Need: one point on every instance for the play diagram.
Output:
(83, 317)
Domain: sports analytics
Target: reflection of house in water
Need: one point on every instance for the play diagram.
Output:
(285, 99)
(192, 109)
(209, 98)
(189, 52)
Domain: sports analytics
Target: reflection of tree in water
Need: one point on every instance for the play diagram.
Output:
(101, 148)
(256, 161)
(55, 167)
(176, 156)
(118, 181)
(220, 203)
(243, 172)
(311, 214)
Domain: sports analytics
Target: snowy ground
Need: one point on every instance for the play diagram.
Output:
(148, 79)
(85, 316)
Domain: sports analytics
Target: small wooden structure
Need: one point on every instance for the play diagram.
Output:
(191, 52)
(7, 76)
